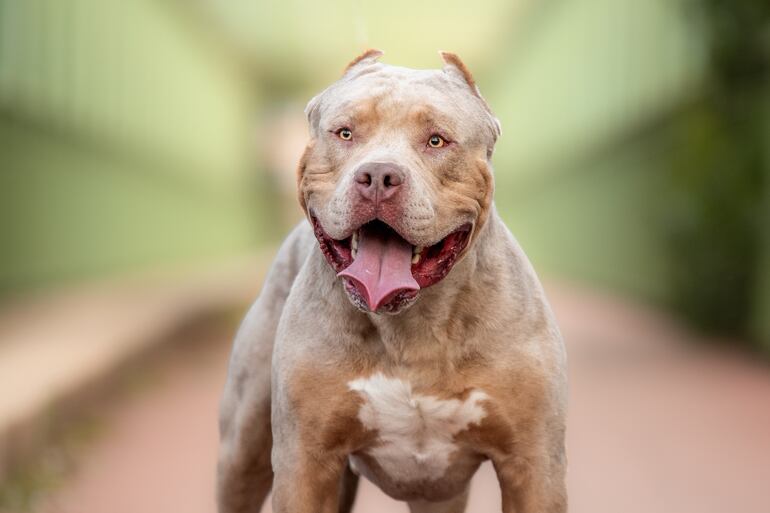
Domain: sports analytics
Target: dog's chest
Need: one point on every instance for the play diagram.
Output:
(415, 432)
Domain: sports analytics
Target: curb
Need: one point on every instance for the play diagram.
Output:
(59, 351)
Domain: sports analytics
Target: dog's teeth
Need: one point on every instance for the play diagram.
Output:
(416, 254)
(354, 242)
(353, 253)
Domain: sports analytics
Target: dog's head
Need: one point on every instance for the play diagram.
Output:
(396, 177)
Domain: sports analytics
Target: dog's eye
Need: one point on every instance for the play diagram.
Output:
(436, 141)
(345, 134)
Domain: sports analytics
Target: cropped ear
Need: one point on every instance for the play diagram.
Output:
(456, 67)
(370, 56)
(311, 110)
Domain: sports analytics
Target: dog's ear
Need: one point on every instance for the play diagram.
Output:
(311, 110)
(453, 65)
(370, 56)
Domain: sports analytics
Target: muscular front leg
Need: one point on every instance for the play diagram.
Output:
(244, 472)
(308, 485)
(314, 431)
(310, 460)
(532, 485)
(314, 412)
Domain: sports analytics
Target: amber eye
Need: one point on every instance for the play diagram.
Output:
(345, 134)
(436, 141)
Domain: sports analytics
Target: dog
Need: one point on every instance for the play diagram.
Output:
(401, 333)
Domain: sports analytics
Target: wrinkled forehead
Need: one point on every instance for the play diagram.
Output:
(396, 94)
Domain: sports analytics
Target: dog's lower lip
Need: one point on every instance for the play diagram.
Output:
(435, 261)
(337, 252)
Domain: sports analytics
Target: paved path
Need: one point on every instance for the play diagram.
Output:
(656, 425)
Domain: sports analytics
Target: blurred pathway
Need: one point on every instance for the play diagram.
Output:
(656, 425)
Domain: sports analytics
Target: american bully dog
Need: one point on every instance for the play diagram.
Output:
(401, 333)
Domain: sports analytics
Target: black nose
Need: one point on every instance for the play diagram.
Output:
(379, 181)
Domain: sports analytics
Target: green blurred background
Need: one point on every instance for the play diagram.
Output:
(635, 154)
(147, 174)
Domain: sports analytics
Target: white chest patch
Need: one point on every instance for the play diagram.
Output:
(416, 432)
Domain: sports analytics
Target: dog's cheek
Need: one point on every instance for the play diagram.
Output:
(485, 189)
(316, 176)
(451, 171)
(472, 190)
(301, 169)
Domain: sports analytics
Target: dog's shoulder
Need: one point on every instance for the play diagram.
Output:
(267, 308)
(295, 248)
(518, 299)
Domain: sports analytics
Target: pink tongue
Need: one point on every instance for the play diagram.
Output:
(382, 267)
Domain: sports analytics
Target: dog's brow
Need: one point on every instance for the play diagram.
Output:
(353, 112)
(431, 117)
(340, 120)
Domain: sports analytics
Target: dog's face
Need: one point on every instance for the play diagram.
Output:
(396, 178)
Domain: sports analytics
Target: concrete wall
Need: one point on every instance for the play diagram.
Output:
(123, 139)
(578, 172)
(583, 165)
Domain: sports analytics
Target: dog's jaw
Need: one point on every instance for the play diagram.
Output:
(428, 266)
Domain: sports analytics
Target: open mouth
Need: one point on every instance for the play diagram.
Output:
(382, 269)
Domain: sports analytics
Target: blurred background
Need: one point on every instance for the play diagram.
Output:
(147, 155)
